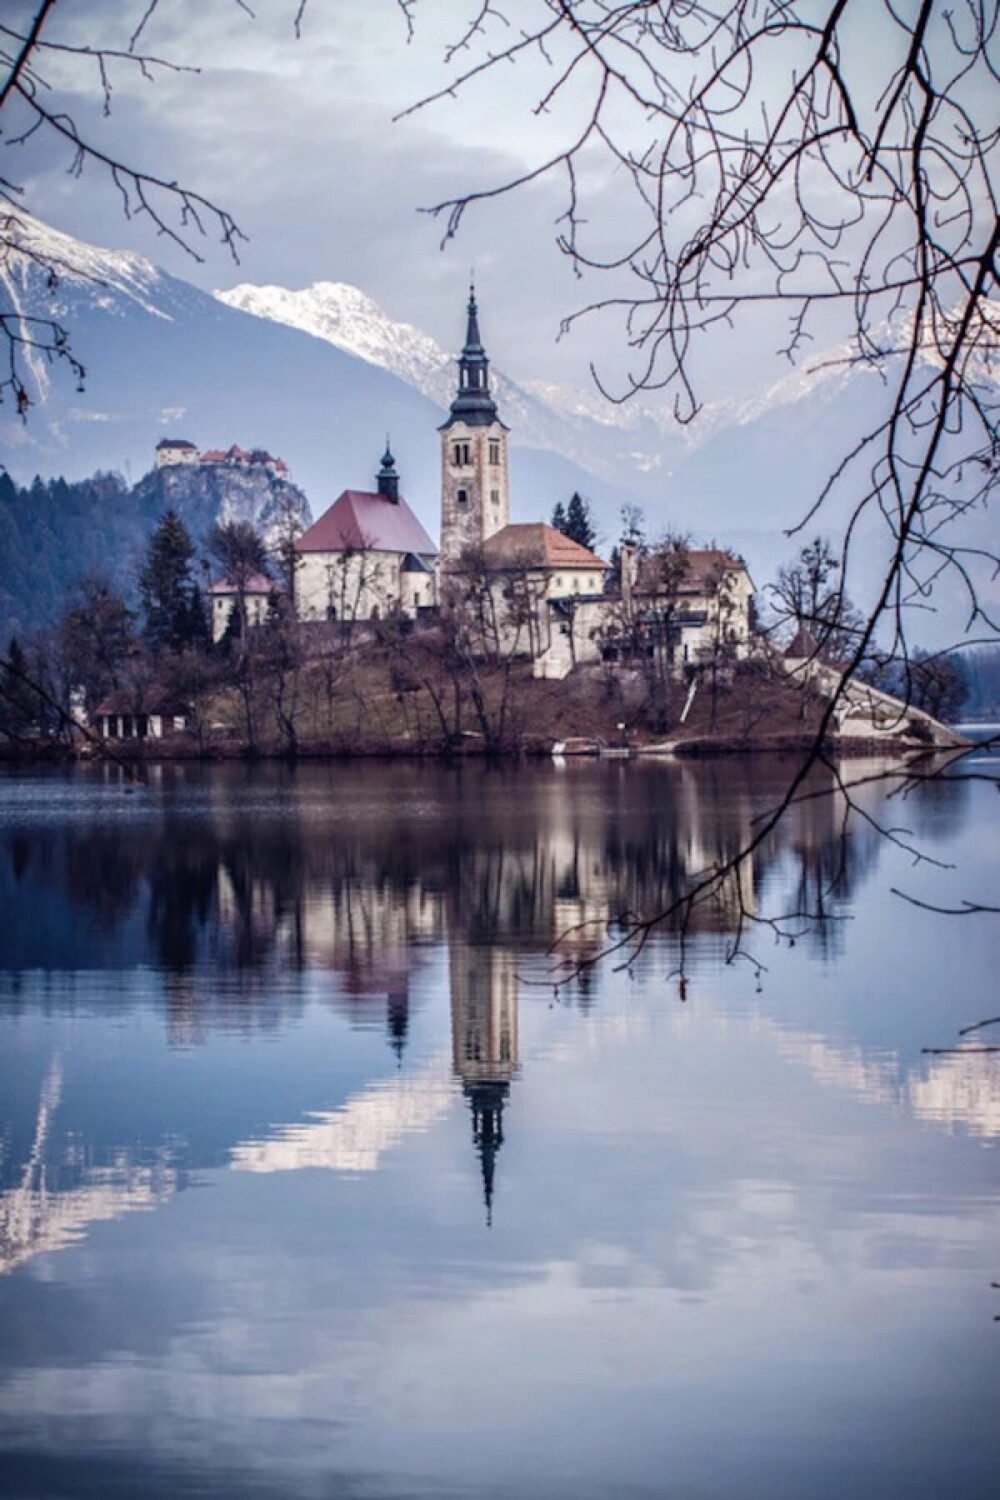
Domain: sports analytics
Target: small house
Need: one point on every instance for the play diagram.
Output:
(257, 590)
(140, 714)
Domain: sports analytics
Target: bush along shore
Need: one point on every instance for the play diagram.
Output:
(158, 682)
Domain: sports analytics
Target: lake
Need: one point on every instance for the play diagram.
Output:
(315, 1183)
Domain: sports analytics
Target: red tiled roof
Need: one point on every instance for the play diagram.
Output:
(703, 572)
(533, 544)
(256, 584)
(359, 519)
(149, 700)
(213, 456)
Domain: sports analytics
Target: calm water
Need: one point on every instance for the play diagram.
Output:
(312, 1184)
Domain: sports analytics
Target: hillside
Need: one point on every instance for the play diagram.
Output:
(52, 534)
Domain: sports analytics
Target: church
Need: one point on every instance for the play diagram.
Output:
(368, 557)
(550, 600)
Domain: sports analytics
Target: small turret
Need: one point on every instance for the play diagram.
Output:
(387, 479)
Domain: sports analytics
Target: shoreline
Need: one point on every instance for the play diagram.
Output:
(695, 747)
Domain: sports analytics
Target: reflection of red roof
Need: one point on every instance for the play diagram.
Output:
(256, 584)
(533, 544)
(359, 519)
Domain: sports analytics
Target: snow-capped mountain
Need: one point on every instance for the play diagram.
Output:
(345, 317)
(318, 376)
(164, 358)
(578, 421)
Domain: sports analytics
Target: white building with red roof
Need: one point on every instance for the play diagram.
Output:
(367, 557)
(256, 589)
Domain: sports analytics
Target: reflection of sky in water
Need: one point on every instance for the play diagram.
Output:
(739, 1246)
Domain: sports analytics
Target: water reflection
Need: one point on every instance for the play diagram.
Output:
(310, 1185)
(204, 872)
(245, 896)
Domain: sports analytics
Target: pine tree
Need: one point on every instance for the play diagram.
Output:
(17, 702)
(559, 517)
(167, 587)
(578, 525)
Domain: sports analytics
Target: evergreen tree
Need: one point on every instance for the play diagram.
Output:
(578, 525)
(167, 587)
(559, 517)
(17, 702)
(239, 548)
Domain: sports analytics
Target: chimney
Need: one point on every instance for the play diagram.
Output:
(630, 572)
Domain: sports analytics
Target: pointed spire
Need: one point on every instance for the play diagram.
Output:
(473, 402)
(473, 342)
(487, 1099)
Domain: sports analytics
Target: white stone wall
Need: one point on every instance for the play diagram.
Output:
(353, 585)
(168, 456)
(222, 607)
(574, 638)
(417, 591)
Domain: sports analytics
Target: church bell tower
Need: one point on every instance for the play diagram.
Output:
(475, 500)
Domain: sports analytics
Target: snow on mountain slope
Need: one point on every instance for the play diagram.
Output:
(102, 277)
(164, 358)
(345, 316)
(638, 441)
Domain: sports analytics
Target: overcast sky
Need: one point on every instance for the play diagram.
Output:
(296, 138)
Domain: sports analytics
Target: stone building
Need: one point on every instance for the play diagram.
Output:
(257, 591)
(175, 451)
(366, 558)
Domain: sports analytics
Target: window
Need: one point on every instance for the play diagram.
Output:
(462, 496)
(461, 455)
(495, 496)
(494, 451)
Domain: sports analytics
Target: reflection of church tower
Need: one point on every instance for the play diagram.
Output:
(398, 1017)
(474, 494)
(484, 1045)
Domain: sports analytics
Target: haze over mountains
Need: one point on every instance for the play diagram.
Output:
(319, 376)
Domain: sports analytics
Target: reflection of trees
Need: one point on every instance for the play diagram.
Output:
(357, 871)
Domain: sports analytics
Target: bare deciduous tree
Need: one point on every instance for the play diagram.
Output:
(832, 162)
(30, 110)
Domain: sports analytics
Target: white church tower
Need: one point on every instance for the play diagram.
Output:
(475, 500)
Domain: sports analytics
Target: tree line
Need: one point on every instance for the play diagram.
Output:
(465, 661)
